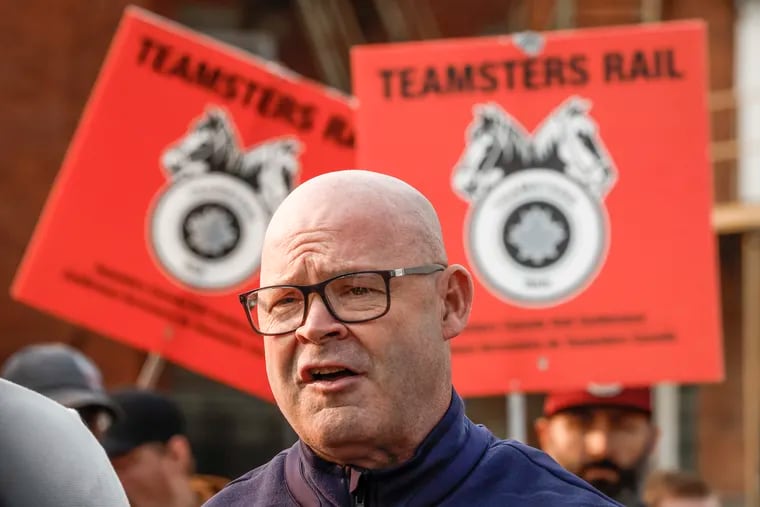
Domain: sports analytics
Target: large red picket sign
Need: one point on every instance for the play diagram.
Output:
(572, 175)
(156, 219)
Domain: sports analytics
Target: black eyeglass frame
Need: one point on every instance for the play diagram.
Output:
(319, 288)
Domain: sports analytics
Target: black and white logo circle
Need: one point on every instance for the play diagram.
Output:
(537, 237)
(207, 223)
(207, 231)
(537, 228)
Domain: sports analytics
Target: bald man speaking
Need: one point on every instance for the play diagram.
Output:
(357, 306)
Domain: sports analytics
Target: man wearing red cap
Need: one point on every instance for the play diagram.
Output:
(603, 435)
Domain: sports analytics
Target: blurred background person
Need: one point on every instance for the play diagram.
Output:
(65, 375)
(151, 453)
(674, 488)
(605, 438)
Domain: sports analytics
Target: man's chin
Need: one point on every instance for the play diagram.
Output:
(338, 433)
(341, 422)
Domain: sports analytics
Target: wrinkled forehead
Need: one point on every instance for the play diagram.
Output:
(353, 213)
(337, 199)
(326, 226)
(604, 413)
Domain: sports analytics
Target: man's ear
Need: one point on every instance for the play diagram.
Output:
(542, 431)
(178, 451)
(457, 300)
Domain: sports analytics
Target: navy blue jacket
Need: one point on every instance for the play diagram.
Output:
(459, 464)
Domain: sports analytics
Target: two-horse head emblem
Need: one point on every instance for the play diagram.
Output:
(567, 141)
(537, 229)
(208, 223)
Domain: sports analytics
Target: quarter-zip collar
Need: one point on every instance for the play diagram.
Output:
(446, 456)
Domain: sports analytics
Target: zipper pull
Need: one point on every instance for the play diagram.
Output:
(357, 488)
(359, 495)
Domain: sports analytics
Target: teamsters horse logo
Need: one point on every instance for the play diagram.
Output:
(208, 223)
(537, 231)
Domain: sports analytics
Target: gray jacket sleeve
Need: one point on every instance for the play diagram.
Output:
(48, 457)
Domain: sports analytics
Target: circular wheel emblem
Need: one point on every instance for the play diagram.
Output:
(537, 238)
(211, 230)
(207, 231)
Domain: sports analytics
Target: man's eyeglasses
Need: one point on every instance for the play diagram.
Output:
(351, 298)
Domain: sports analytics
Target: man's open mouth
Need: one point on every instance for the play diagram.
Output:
(329, 373)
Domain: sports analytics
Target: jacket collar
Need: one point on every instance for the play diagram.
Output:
(449, 452)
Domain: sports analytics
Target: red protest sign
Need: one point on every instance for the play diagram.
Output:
(156, 219)
(572, 177)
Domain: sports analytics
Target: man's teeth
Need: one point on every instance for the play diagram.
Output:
(326, 371)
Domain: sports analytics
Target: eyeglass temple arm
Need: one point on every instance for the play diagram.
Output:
(420, 270)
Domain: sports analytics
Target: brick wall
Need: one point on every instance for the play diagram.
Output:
(51, 53)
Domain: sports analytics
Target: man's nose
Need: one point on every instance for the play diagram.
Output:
(319, 323)
(597, 443)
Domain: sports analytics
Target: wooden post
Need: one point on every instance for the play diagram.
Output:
(734, 217)
(332, 28)
(666, 407)
(651, 11)
(517, 424)
(151, 371)
(751, 365)
(564, 14)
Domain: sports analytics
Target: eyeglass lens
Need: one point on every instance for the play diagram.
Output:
(351, 298)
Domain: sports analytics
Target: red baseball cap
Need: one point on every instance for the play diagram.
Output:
(635, 398)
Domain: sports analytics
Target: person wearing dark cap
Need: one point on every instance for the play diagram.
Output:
(604, 435)
(65, 375)
(151, 453)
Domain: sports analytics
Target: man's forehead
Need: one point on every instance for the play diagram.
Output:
(355, 217)
(350, 192)
(333, 234)
(337, 215)
(367, 222)
(311, 254)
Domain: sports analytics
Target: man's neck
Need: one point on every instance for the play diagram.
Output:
(370, 454)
